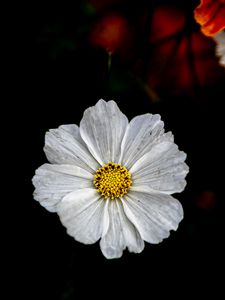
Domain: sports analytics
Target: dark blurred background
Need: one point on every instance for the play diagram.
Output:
(149, 56)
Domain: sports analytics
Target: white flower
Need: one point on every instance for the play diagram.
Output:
(112, 180)
(220, 47)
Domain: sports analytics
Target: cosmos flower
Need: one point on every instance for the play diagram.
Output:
(112, 180)
(210, 14)
(220, 47)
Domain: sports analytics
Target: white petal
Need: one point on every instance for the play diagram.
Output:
(73, 129)
(121, 233)
(132, 237)
(112, 243)
(139, 136)
(220, 47)
(53, 182)
(85, 215)
(162, 169)
(154, 215)
(102, 128)
(65, 146)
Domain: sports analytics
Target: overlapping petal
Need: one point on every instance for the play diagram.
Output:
(121, 233)
(53, 182)
(154, 215)
(84, 215)
(161, 169)
(65, 146)
(138, 139)
(102, 128)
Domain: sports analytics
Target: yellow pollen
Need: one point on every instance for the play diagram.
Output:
(112, 180)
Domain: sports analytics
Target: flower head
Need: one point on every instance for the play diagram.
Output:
(112, 180)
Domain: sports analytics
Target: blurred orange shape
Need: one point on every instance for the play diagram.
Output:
(210, 14)
(111, 33)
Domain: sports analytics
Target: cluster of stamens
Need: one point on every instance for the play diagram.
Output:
(112, 180)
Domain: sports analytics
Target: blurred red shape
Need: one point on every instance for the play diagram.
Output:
(206, 200)
(210, 14)
(166, 23)
(111, 32)
(181, 59)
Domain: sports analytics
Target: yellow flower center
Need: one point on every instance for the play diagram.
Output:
(112, 180)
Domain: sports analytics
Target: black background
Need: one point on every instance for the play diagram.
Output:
(56, 87)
